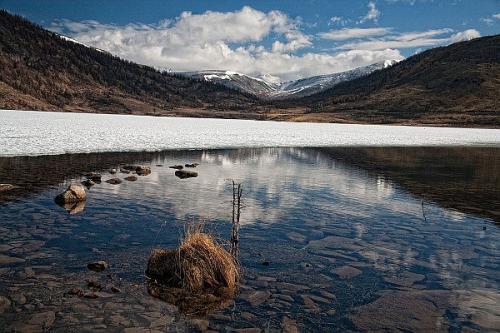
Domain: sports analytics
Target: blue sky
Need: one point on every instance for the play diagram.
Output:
(286, 39)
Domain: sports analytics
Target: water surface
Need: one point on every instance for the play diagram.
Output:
(332, 239)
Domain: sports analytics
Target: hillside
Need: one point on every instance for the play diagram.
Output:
(454, 85)
(42, 71)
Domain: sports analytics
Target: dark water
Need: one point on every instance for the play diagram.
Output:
(356, 239)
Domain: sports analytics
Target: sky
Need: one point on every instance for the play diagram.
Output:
(281, 40)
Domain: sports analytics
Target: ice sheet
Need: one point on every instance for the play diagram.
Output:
(49, 133)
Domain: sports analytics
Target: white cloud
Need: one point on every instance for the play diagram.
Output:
(487, 20)
(338, 20)
(412, 40)
(490, 20)
(221, 40)
(351, 33)
(372, 15)
(464, 36)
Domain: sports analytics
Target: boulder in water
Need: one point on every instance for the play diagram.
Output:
(114, 181)
(97, 266)
(186, 174)
(74, 194)
(88, 183)
(142, 170)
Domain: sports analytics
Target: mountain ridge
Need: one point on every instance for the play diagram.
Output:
(455, 85)
(288, 89)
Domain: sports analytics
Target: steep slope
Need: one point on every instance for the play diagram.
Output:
(454, 85)
(42, 71)
(292, 89)
(311, 85)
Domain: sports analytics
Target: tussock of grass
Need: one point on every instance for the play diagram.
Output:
(198, 265)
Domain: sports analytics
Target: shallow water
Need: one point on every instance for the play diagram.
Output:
(49, 133)
(356, 239)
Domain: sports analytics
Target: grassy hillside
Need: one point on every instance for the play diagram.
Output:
(457, 84)
(41, 71)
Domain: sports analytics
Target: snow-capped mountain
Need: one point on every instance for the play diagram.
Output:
(268, 86)
(243, 82)
(69, 39)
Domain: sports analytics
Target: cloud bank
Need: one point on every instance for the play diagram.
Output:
(250, 41)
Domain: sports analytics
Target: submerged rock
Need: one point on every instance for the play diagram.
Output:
(141, 170)
(88, 183)
(4, 304)
(178, 167)
(191, 165)
(347, 272)
(408, 311)
(97, 266)
(74, 194)
(94, 176)
(186, 174)
(7, 187)
(124, 170)
(131, 178)
(114, 181)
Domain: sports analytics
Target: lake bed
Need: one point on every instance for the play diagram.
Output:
(332, 239)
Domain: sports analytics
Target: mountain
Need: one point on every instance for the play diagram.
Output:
(454, 85)
(315, 84)
(270, 89)
(41, 70)
(252, 85)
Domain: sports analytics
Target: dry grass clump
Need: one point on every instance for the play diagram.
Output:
(198, 265)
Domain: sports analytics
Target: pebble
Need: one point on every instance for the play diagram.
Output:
(97, 266)
(6, 260)
(256, 298)
(4, 304)
(347, 272)
(289, 326)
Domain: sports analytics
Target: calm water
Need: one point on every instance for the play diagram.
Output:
(356, 239)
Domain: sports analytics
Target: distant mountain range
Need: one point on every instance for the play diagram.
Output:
(270, 89)
(455, 85)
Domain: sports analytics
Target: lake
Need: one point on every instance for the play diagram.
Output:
(49, 133)
(333, 238)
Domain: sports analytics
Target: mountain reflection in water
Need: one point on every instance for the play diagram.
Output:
(343, 229)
